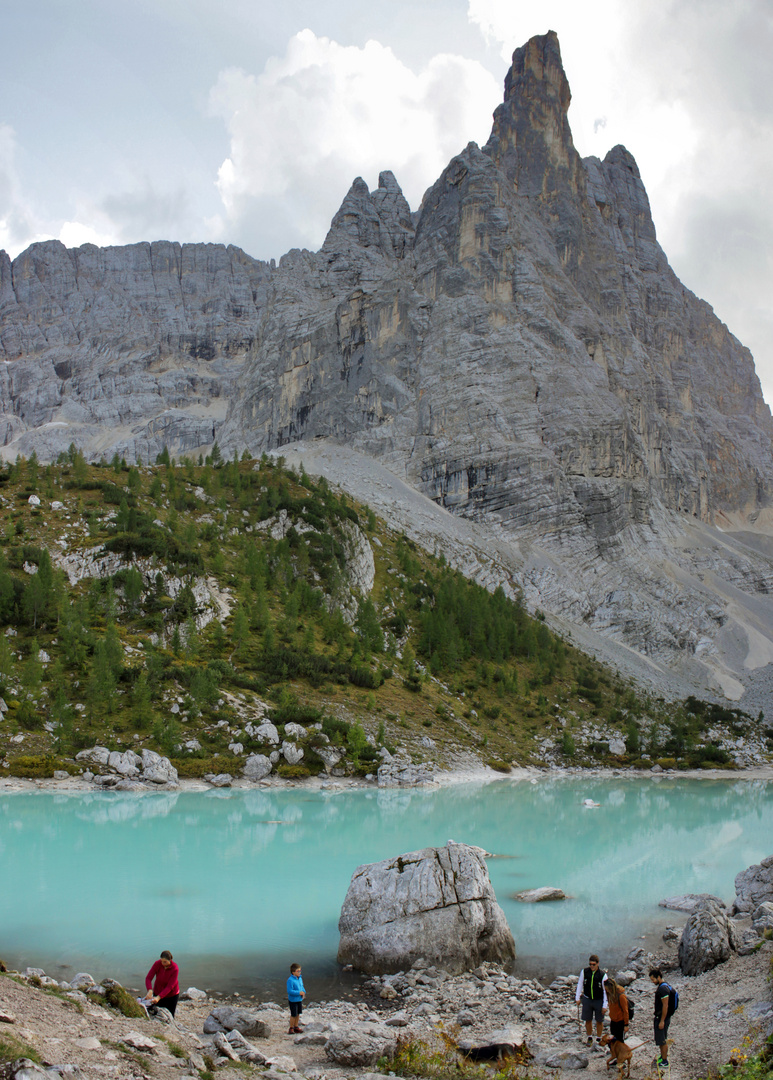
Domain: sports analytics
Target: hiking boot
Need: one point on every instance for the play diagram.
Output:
(589, 1041)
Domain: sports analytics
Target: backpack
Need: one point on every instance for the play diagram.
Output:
(673, 999)
(631, 1008)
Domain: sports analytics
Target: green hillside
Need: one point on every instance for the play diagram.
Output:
(205, 596)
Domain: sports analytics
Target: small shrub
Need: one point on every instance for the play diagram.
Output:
(293, 772)
(12, 1048)
(36, 766)
(124, 1002)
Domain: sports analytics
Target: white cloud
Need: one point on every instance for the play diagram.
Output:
(324, 113)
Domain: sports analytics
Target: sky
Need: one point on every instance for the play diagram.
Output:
(245, 121)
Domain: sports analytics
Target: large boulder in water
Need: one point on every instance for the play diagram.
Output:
(754, 886)
(708, 938)
(437, 903)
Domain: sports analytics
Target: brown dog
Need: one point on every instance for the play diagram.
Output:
(620, 1054)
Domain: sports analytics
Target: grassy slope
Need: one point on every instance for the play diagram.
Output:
(107, 659)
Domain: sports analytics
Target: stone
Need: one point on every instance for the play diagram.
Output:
(494, 1045)
(554, 1058)
(222, 1045)
(292, 754)
(708, 938)
(97, 755)
(193, 994)
(437, 903)
(246, 1021)
(26, 1069)
(362, 1045)
(82, 981)
(295, 731)
(330, 757)
(688, 901)
(537, 896)
(157, 769)
(219, 780)
(137, 1041)
(762, 917)
(754, 886)
(401, 773)
(625, 978)
(257, 767)
(266, 732)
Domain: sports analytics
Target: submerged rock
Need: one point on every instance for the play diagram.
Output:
(537, 896)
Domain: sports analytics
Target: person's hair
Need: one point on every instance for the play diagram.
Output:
(166, 955)
(613, 990)
(294, 967)
(593, 957)
(656, 973)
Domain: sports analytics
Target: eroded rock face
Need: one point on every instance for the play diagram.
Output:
(708, 938)
(437, 903)
(519, 350)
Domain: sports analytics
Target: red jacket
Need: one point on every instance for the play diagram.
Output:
(166, 979)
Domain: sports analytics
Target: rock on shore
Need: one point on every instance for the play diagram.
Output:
(437, 903)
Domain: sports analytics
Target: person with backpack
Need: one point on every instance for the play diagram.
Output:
(619, 1009)
(666, 1004)
(592, 993)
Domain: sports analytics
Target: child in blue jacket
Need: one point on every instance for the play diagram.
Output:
(296, 992)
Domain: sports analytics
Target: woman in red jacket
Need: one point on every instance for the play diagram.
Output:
(166, 991)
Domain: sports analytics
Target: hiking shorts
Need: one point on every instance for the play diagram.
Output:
(661, 1033)
(593, 1007)
(296, 1008)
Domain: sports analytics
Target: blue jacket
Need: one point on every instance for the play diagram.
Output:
(295, 988)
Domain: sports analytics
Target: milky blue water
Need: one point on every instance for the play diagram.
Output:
(239, 883)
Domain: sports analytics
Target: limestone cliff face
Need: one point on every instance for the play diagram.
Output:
(518, 349)
(124, 348)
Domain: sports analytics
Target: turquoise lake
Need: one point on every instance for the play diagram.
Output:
(239, 883)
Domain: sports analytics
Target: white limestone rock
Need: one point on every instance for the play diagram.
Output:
(708, 938)
(257, 767)
(754, 886)
(437, 903)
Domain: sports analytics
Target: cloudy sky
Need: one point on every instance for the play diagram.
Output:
(245, 121)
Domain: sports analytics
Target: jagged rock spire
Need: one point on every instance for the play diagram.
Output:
(531, 140)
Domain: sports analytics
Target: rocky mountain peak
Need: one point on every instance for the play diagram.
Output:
(531, 140)
(380, 220)
(519, 350)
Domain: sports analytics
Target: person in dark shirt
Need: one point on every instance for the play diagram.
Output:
(592, 993)
(663, 1012)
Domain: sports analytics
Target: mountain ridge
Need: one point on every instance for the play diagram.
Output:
(518, 349)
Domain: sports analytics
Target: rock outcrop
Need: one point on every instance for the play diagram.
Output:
(519, 350)
(754, 886)
(437, 904)
(708, 938)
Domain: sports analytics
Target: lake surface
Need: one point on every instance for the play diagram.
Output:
(240, 883)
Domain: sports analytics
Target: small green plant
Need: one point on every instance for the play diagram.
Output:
(123, 1002)
(12, 1048)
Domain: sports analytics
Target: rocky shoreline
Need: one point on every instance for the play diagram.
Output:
(472, 771)
(725, 1003)
(76, 1035)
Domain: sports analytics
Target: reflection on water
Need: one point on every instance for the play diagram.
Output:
(104, 881)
